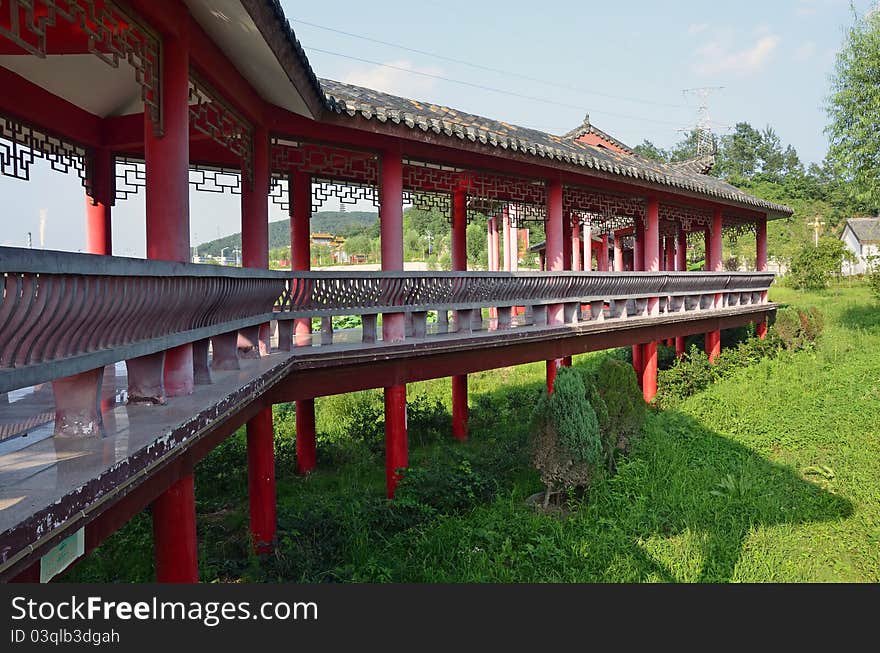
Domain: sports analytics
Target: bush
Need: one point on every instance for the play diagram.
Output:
(567, 443)
(617, 386)
(814, 265)
(796, 328)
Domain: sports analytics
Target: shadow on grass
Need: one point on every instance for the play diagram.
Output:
(683, 478)
(861, 316)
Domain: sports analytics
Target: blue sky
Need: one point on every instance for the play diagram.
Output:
(624, 63)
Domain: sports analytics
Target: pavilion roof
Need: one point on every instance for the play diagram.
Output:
(359, 103)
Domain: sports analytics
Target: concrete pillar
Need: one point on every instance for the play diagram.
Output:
(761, 265)
(174, 533)
(167, 190)
(459, 263)
(391, 225)
(714, 264)
(555, 260)
(651, 252)
(588, 247)
(261, 480)
(99, 227)
(300, 260)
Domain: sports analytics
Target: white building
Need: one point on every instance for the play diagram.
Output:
(862, 237)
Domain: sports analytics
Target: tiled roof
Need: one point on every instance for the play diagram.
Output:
(867, 230)
(700, 165)
(362, 103)
(269, 18)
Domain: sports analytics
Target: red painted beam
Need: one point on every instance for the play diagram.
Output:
(307, 381)
(173, 18)
(37, 106)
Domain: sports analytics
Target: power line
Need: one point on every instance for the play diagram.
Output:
(533, 98)
(471, 64)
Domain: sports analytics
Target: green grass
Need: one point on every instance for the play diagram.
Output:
(769, 475)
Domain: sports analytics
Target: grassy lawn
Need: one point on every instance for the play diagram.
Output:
(769, 475)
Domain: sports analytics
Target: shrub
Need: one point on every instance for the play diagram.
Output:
(796, 328)
(813, 266)
(567, 443)
(623, 401)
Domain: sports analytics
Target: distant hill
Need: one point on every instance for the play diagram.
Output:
(334, 222)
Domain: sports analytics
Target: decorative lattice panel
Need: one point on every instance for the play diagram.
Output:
(113, 35)
(211, 115)
(691, 217)
(21, 144)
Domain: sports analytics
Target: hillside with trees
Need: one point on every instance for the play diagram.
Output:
(339, 223)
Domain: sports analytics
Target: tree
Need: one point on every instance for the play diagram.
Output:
(854, 110)
(647, 150)
(813, 266)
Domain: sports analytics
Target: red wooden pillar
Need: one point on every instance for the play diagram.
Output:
(391, 225)
(651, 252)
(680, 266)
(459, 263)
(300, 245)
(638, 266)
(99, 230)
(261, 480)
(166, 160)
(588, 248)
(174, 533)
(576, 262)
(618, 252)
(566, 243)
(714, 263)
(604, 263)
(555, 261)
(505, 237)
(761, 265)
(670, 254)
(255, 254)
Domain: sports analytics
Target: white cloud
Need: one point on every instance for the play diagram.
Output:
(697, 28)
(392, 77)
(717, 57)
(805, 51)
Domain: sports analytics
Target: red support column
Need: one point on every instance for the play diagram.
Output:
(505, 236)
(396, 454)
(604, 263)
(459, 263)
(651, 252)
(261, 480)
(618, 252)
(566, 242)
(761, 265)
(174, 533)
(391, 227)
(99, 228)
(680, 266)
(638, 266)
(554, 261)
(670, 254)
(391, 224)
(255, 254)
(715, 264)
(300, 245)
(588, 248)
(167, 190)
(576, 262)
